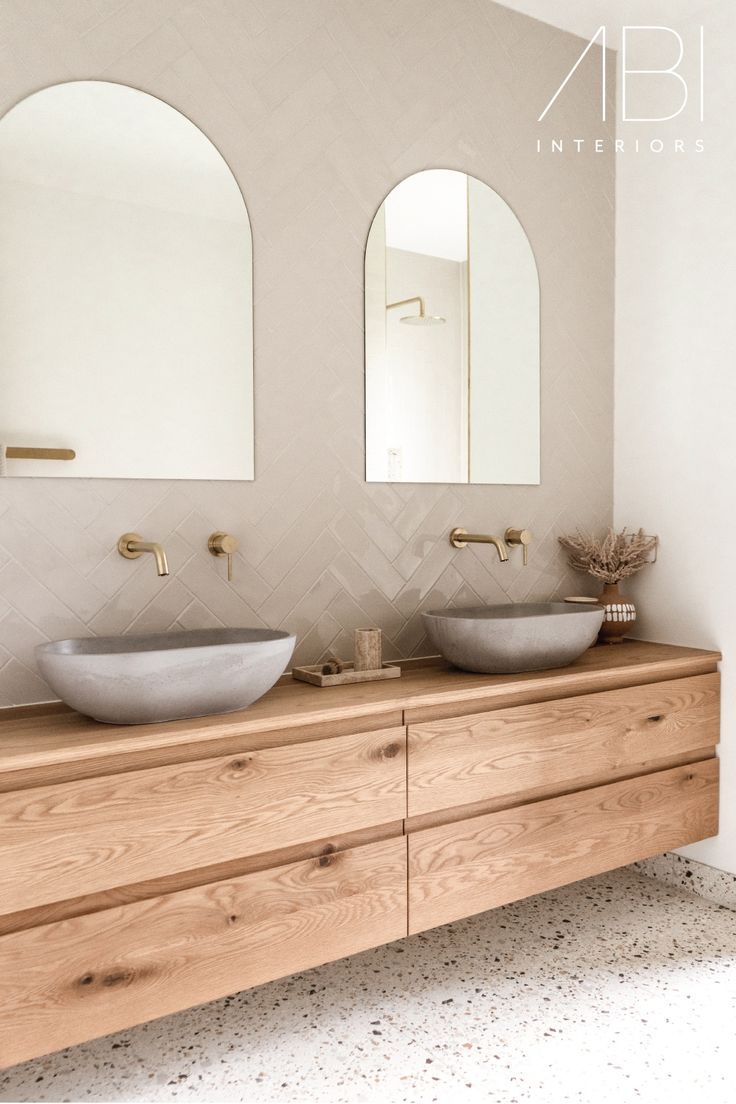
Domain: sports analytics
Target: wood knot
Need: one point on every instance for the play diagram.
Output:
(238, 764)
(328, 856)
(86, 979)
(656, 717)
(233, 918)
(391, 751)
(117, 977)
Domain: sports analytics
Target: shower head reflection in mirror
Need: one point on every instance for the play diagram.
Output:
(459, 405)
(420, 319)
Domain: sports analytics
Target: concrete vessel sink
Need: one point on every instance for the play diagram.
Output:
(500, 640)
(165, 676)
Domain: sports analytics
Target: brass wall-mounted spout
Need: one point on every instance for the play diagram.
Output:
(460, 538)
(131, 545)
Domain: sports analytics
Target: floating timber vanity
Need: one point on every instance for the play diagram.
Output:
(146, 869)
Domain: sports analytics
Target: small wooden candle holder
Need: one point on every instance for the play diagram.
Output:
(368, 650)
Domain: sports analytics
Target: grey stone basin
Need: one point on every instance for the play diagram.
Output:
(165, 676)
(500, 640)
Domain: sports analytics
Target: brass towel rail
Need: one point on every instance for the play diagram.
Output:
(16, 453)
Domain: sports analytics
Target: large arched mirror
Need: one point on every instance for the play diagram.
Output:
(126, 319)
(451, 336)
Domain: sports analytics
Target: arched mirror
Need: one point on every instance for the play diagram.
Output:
(451, 336)
(126, 319)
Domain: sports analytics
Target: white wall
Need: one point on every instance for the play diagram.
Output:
(584, 17)
(675, 436)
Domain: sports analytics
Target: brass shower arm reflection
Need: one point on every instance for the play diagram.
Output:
(421, 319)
(405, 303)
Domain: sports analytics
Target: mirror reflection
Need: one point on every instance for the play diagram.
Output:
(452, 336)
(125, 292)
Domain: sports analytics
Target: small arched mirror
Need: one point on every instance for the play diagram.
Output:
(126, 319)
(451, 336)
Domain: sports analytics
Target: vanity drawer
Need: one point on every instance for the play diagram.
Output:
(66, 982)
(70, 840)
(533, 750)
(472, 865)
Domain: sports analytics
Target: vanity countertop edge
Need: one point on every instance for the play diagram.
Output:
(37, 739)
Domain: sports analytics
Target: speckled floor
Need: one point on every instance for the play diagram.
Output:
(614, 989)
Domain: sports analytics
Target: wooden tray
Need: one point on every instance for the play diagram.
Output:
(315, 676)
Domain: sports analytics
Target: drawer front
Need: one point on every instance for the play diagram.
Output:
(459, 869)
(65, 841)
(586, 739)
(63, 983)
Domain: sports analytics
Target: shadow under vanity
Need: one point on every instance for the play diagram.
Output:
(151, 868)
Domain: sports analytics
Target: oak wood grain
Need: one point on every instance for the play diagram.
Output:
(589, 738)
(541, 793)
(63, 841)
(473, 865)
(64, 983)
(32, 746)
(596, 670)
(188, 879)
(72, 762)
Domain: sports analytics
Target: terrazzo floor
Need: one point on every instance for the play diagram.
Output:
(617, 989)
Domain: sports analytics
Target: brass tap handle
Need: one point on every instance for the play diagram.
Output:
(519, 536)
(223, 544)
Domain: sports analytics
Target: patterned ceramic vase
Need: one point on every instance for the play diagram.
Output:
(619, 615)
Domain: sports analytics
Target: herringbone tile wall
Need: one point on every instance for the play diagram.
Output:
(320, 107)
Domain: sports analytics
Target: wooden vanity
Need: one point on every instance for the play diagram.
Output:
(151, 868)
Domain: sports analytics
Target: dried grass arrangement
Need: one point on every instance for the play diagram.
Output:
(614, 557)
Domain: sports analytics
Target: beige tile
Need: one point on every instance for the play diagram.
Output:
(311, 565)
(214, 592)
(371, 557)
(19, 637)
(164, 610)
(198, 616)
(28, 595)
(21, 685)
(51, 545)
(141, 586)
(441, 519)
(438, 560)
(128, 502)
(309, 609)
(149, 57)
(306, 528)
(317, 643)
(46, 517)
(84, 15)
(361, 587)
(296, 69)
(124, 27)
